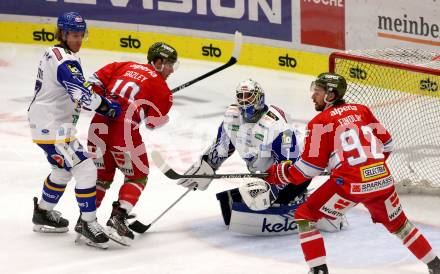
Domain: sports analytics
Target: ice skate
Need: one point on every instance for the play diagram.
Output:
(92, 233)
(321, 269)
(434, 266)
(117, 226)
(48, 221)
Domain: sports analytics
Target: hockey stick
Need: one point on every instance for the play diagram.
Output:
(172, 174)
(140, 228)
(232, 60)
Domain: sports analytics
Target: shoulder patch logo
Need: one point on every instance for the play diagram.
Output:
(57, 54)
(272, 115)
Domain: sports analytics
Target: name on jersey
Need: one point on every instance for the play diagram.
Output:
(340, 110)
(134, 75)
(349, 119)
(144, 68)
(374, 171)
(381, 184)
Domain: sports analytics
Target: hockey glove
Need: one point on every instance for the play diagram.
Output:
(199, 168)
(109, 108)
(278, 173)
(257, 194)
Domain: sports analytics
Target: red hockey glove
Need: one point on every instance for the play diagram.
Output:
(277, 173)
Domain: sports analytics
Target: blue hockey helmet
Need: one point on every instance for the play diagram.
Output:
(250, 99)
(71, 21)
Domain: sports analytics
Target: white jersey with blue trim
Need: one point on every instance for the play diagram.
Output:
(261, 144)
(60, 93)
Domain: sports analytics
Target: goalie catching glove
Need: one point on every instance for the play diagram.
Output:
(257, 194)
(201, 167)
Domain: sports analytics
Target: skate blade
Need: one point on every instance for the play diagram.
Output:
(114, 236)
(80, 238)
(49, 229)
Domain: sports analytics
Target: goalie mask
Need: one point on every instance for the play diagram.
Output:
(250, 99)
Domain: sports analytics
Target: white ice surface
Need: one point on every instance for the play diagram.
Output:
(191, 237)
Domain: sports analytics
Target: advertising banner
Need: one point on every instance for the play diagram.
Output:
(323, 23)
(270, 19)
(399, 23)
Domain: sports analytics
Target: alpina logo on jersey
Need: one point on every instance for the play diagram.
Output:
(287, 225)
(373, 171)
(211, 51)
(362, 188)
(393, 206)
(340, 110)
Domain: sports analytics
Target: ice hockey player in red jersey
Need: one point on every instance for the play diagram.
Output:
(348, 141)
(145, 98)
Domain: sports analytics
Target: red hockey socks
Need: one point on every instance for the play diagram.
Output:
(312, 243)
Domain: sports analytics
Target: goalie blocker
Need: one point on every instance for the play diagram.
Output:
(257, 209)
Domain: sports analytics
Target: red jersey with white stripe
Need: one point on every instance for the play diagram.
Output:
(351, 144)
(137, 85)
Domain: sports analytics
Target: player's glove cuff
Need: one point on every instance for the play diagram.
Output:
(282, 171)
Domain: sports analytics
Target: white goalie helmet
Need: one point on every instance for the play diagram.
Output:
(256, 194)
(250, 99)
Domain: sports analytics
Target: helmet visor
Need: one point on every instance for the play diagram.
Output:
(175, 65)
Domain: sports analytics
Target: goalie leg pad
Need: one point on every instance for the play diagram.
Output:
(269, 222)
(226, 198)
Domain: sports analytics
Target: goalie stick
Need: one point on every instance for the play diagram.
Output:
(139, 227)
(232, 60)
(172, 174)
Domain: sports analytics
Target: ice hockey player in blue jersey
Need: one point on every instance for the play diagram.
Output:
(60, 93)
(262, 137)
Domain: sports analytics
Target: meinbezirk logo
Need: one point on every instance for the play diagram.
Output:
(428, 85)
(358, 73)
(286, 61)
(211, 51)
(43, 35)
(129, 42)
